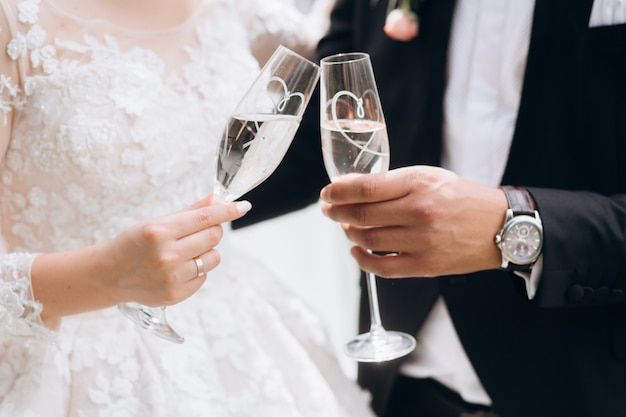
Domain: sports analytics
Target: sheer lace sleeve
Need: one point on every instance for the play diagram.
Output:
(280, 22)
(9, 96)
(10, 91)
(19, 312)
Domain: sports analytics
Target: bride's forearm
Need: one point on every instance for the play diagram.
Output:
(153, 263)
(72, 282)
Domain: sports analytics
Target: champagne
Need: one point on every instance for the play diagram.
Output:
(354, 147)
(251, 148)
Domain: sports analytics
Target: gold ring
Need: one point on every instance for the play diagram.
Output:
(199, 267)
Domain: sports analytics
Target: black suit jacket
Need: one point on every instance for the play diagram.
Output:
(564, 352)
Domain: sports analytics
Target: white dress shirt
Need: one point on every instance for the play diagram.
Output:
(607, 12)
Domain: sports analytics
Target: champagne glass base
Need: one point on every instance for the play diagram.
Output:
(151, 319)
(380, 346)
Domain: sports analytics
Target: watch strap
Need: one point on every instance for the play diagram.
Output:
(519, 199)
(520, 203)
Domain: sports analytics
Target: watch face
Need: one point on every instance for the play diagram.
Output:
(522, 240)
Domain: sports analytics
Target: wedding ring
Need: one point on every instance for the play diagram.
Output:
(199, 267)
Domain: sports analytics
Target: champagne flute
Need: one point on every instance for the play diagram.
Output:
(354, 141)
(264, 123)
(254, 142)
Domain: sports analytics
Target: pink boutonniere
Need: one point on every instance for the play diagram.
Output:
(402, 23)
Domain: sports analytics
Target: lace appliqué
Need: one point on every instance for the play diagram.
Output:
(33, 41)
(40, 55)
(116, 95)
(9, 97)
(19, 312)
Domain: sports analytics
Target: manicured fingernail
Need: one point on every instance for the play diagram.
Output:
(243, 206)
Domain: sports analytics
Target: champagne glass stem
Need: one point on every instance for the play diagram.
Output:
(220, 192)
(376, 326)
(378, 345)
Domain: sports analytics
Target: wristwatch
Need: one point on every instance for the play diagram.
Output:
(521, 238)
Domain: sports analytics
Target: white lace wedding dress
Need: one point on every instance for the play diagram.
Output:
(102, 127)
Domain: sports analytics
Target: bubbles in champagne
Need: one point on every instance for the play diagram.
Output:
(354, 147)
(251, 148)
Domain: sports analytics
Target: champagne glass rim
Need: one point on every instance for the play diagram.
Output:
(345, 57)
(283, 50)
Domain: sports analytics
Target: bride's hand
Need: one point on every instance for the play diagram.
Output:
(165, 260)
(151, 263)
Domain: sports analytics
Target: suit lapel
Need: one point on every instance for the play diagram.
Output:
(548, 95)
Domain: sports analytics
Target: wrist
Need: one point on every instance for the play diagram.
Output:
(71, 282)
(500, 206)
(489, 212)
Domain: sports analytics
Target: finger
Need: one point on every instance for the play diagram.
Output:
(210, 200)
(356, 214)
(355, 189)
(384, 239)
(386, 213)
(199, 242)
(193, 220)
(199, 266)
(199, 247)
(209, 260)
(393, 265)
(368, 188)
